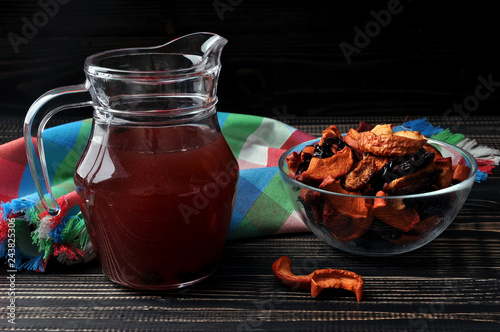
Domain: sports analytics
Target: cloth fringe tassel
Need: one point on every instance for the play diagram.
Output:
(61, 236)
(487, 158)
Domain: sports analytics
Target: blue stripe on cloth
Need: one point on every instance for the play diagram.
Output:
(421, 125)
(26, 186)
(260, 177)
(65, 135)
(249, 189)
(55, 156)
(222, 116)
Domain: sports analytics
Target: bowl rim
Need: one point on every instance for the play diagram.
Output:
(460, 186)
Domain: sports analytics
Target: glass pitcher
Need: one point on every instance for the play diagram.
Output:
(156, 180)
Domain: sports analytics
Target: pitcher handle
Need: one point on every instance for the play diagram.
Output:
(31, 138)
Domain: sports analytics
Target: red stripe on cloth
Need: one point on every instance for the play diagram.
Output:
(297, 137)
(245, 164)
(273, 156)
(11, 175)
(14, 151)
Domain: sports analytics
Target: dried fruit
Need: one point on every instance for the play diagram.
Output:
(348, 217)
(389, 144)
(352, 139)
(293, 161)
(307, 153)
(422, 180)
(330, 132)
(412, 163)
(334, 279)
(361, 175)
(373, 160)
(318, 280)
(446, 175)
(282, 269)
(336, 166)
(460, 173)
(394, 212)
(364, 126)
(313, 204)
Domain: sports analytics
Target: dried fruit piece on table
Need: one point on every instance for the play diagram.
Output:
(318, 280)
(282, 269)
(337, 279)
(394, 212)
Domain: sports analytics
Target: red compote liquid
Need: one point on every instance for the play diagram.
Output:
(157, 201)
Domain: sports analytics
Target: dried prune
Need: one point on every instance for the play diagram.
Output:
(385, 231)
(322, 151)
(402, 166)
(303, 166)
(421, 181)
(416, 161)
(329, 147)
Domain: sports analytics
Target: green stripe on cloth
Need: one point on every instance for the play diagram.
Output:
(67, 167)
(237, 128)
(275, 189)
(266, 214)
(245, 229)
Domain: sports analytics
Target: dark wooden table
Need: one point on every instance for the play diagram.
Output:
(452, 284)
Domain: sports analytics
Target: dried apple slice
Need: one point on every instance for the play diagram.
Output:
(331, 131)
(361, 174)
(336, 166)
(293, 161)
(446, 175)
(393, 212)
(336, 279)
(460, 173)
(382, 143)
(348, 217)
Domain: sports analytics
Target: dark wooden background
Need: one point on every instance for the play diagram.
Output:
(283, 57)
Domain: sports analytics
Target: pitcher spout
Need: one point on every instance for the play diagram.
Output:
(203, 49)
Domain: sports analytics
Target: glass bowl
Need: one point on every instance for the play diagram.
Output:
(382, 231)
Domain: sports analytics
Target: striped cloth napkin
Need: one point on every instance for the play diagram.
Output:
(262, 207)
